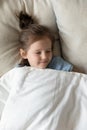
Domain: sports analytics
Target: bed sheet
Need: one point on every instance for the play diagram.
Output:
(45, 100)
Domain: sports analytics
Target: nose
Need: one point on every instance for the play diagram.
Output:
(44, 55)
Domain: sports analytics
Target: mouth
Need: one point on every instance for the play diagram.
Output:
(44, 62)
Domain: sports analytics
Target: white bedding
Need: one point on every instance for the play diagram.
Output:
(44, 100)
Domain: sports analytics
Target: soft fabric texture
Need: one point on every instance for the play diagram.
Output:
(9, 27)
(58, 63)
(71, 17)
(37, 102)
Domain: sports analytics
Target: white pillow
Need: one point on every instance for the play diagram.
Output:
(71, 16)
(9, 27)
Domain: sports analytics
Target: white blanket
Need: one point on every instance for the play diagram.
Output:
(45, 100)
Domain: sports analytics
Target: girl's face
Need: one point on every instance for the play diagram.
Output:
(39, 54)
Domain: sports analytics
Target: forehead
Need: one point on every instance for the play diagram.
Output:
(41, 43)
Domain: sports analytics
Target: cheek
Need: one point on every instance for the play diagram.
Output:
(32, 57)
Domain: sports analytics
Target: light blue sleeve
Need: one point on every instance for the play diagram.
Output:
(59, 63)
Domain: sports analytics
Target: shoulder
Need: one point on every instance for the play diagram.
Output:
(59, 63)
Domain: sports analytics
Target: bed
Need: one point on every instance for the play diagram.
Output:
(37, 99)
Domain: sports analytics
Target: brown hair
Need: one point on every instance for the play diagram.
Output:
(30, 33)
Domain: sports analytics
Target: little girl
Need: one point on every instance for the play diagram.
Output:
(36, 46)
(36, 50)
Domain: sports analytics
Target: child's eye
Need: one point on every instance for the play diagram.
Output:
(38, 53)
(49, 51)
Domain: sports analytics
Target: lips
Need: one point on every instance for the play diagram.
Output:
(44, 62)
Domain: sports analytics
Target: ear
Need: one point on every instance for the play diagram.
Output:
(23, 54)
